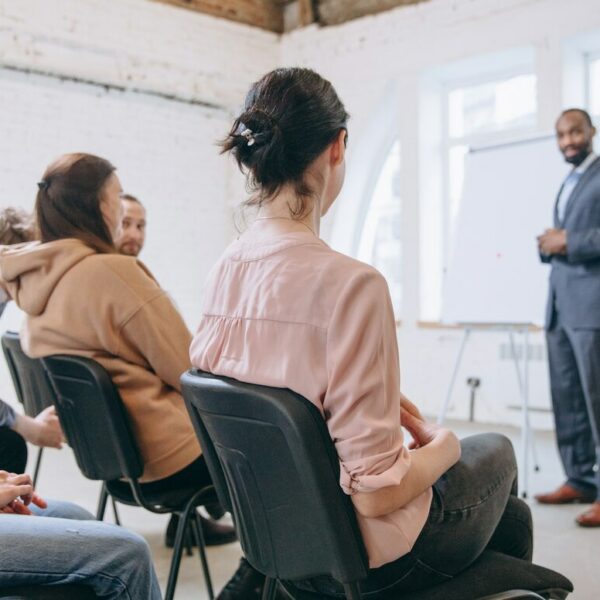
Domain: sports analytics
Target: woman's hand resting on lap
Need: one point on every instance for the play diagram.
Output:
(16, 493)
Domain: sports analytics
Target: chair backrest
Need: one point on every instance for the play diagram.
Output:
(93, 418)
(281, 473)
(29, 377)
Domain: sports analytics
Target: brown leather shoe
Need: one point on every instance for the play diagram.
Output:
(565, 494)
(591, 517)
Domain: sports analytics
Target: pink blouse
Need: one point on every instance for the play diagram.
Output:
(288, 311)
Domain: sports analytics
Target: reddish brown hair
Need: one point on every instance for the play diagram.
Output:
(68, 201)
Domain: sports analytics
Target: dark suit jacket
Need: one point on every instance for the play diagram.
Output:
(575, 278)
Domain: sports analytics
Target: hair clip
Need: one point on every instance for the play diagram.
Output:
(43, 185)
(249, 135)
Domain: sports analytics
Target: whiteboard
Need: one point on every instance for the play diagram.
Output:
(493, 274)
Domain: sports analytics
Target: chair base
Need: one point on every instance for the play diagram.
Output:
(180, 502)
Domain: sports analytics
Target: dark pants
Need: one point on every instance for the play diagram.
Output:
(195, 475)
(574, 362)
(13, 451)
(474, 508)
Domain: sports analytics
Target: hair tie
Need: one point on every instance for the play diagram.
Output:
(43, 185)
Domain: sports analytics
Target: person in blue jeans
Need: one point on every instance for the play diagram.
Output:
(59, 542)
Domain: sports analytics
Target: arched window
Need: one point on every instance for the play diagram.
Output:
(380, 239)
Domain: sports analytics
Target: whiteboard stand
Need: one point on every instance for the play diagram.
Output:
(522, 373)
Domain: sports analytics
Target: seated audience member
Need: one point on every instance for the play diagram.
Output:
(16, 227)
(43, 430)
(59, 543)
(283, 309)
(82, 297)
(133, 226)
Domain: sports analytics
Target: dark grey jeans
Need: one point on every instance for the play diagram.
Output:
(474, 507)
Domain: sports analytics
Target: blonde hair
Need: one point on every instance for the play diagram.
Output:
(16, 226)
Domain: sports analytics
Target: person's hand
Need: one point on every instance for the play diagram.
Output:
(421, 431)
(44, 430)
(49, 432)
(16, 492)
(553, 241)
(408, 406)
(424, 433)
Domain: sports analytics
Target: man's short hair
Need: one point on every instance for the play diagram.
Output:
(16, 226)
(130, 198)
(584, 113)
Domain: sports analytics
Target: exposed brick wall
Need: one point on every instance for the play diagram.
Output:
(136, 44)
(164, 148)
(165, 152)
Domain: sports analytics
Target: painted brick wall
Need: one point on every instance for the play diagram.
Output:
(183, 74)
(164, 148)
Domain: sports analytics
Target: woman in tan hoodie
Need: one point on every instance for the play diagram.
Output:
(83, 298)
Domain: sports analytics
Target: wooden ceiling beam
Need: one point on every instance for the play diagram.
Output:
(334, 12)
(265, 14)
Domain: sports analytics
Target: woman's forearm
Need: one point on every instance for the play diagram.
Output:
(428, 464)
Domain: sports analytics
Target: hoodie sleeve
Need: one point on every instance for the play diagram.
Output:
(159, 334)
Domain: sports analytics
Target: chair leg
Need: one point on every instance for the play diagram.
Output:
(269, 589)
(102, 503)
(188, 541)
(196, 528)
(38, 463)
(352, 591)
(177, 551)
(115, 512)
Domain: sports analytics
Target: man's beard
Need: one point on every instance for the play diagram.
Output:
(130, 249)
(578, 158)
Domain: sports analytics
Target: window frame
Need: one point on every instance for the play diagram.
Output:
(383, 155)
(590, 58)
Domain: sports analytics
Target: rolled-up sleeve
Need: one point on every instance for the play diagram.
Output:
(362, 401)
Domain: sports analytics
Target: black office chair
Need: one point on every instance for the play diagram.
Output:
(30, 381)
(275, 468)
(97, 425)
(35, 393)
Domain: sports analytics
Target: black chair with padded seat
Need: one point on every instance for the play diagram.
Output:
(276, 469)
(97, 425)
(30, 382)
(35, 393)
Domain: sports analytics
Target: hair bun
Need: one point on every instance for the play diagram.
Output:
(291, 115)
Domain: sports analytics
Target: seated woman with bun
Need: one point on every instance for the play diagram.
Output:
(283, 309)
(82, 297)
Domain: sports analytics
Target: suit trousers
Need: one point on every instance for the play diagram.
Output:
(574, 362)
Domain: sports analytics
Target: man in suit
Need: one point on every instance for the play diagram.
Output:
(572, 247)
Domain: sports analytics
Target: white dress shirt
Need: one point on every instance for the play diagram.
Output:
(570, 182)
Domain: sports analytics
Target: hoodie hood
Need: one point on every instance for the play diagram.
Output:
(31, 271)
